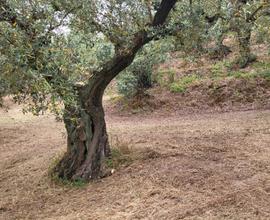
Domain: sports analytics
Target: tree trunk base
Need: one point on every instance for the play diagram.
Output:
(87, 148)
(65, 169)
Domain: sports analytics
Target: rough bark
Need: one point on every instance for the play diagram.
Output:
(87, 144)
(87, 137)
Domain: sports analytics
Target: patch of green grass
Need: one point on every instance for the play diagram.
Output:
(261, 65)
(219, 68)
(265, 74)
(178, 88)
(262, 69)
(190, 59)
(241, 74)
(183, 83)
(250, 75)
(78, 183)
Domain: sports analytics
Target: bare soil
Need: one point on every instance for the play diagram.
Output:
(206, 166)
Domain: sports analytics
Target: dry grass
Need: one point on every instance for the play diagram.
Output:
(197, 167)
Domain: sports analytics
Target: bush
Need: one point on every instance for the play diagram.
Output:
(127, 84)
(137, 78)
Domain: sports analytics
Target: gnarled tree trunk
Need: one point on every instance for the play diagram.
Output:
(88, 144)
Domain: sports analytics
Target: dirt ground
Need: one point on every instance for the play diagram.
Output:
(207, 166)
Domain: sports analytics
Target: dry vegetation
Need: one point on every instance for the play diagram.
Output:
(207, 166)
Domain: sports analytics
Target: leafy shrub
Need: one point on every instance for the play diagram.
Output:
(178, 87)
(127, 84)
(261, 65)
(138, 76)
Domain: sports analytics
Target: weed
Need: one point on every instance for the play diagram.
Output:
(219, 68)
(265, 74)
(243, 75)
(121, 153)
(117, 159)
(182, 85)
(261, 65)
(165, 77)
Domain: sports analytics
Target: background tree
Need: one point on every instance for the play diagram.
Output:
(205, 21)
(240, 17)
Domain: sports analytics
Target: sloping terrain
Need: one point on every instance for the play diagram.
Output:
(192, 84)
(205, 167)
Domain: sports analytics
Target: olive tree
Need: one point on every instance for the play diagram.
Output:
(45, 66)
(240, 17)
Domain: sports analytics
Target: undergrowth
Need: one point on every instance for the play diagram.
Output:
(165, 77)
(219, 71)
(182, 84)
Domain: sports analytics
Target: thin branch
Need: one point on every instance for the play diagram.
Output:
(252, 16)
(264, 8)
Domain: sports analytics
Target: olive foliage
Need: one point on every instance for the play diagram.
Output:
(47, 48)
